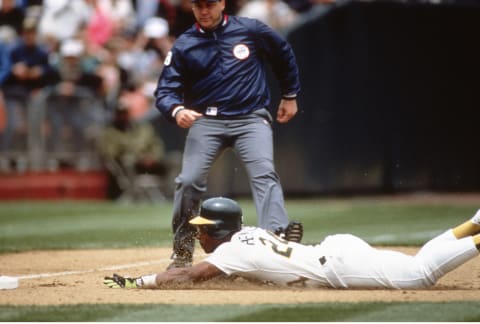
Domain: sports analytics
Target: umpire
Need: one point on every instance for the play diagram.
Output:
(214, 83)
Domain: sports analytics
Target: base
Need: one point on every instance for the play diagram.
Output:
(8, 282)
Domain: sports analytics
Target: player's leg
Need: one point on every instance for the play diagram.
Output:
(450, 249)
(202, 146)
(476, 241)
(254, 145)
(355, 264)
(364, 266)
(445, 253)
(468, 228)
(359, 265)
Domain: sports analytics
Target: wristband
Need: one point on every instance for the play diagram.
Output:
(289, 97)
(176, 110)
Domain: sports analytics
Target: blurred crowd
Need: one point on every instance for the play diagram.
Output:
(77, 79)
(66, 52)
(106, 48)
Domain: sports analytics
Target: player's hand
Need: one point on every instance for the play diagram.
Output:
(117, 281)
(20, 70)
(186, 117)
(286, 110)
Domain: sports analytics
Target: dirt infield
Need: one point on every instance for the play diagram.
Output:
(75, 276)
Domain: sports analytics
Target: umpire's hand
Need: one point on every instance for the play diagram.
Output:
(186, 117)
(286, 110)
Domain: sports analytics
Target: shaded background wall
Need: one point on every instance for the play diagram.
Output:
(389, 103)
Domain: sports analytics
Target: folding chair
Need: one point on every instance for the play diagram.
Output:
(136, 187)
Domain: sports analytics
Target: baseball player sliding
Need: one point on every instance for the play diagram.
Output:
(339, 261)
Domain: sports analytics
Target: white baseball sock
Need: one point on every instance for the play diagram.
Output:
(147, 281)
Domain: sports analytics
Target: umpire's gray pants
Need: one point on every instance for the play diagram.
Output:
(251, 137)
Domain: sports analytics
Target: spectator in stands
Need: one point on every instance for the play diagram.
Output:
(72, 71)
(31, 8)
(156, 30)
(275, 13)
(184, 18)
(141, 56)
(29, 72)
(99, 27)
(144, 9)
(138, 102)
(130, 148)
(73, 82)
(4, 63)
(121, 13)
(159, 43)
(147, 9)
(4, 71)
(11, 15)
(8, 35)
(112, 75)
(129, 57)
(102, 35)
(63, 19)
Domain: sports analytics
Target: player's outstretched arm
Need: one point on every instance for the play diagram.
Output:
(177, 276)
(199, 272)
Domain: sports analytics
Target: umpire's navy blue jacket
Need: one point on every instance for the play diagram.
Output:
(222, 73)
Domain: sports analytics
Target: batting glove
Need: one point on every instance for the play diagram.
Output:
(120, 282)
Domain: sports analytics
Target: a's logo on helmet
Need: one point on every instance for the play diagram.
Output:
(241, 51)
(168, 59)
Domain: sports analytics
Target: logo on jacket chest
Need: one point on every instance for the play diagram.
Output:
(241, 51)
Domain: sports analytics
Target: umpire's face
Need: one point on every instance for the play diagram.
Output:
(208, 13)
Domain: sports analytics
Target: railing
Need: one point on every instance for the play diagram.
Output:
(61, 131)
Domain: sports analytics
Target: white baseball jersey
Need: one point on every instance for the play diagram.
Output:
(340, 261)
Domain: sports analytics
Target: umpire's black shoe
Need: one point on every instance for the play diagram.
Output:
(293, 232)
(180, 262)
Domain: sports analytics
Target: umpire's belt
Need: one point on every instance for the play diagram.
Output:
(262, 112)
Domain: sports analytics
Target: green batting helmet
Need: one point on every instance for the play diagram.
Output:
(220, 216)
